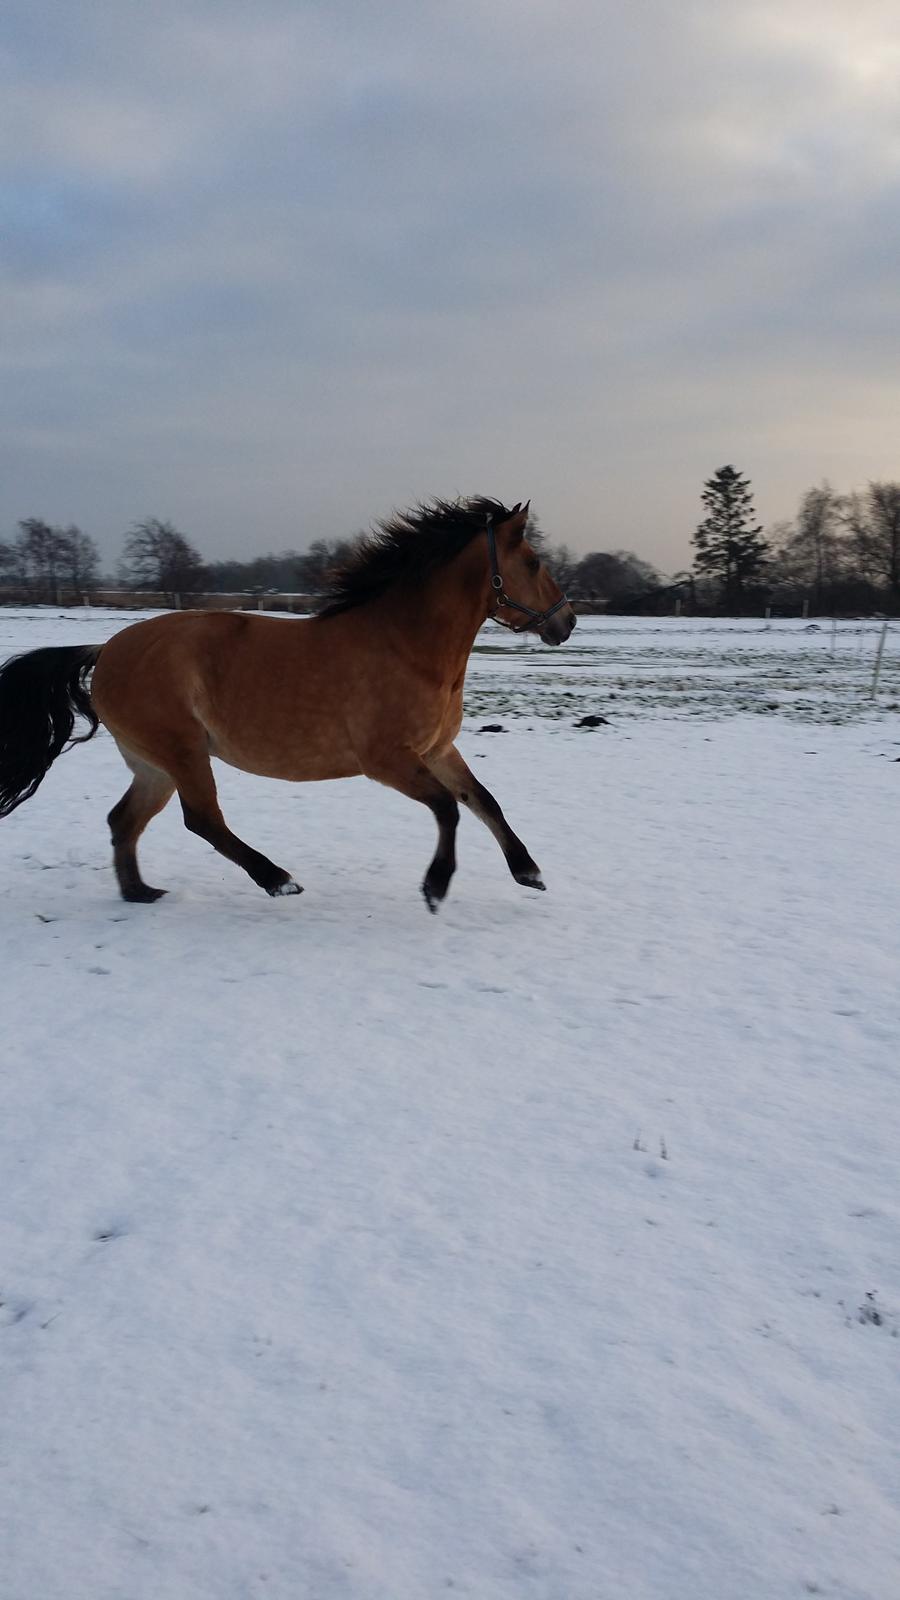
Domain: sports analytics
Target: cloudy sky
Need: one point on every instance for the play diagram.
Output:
(273, 269)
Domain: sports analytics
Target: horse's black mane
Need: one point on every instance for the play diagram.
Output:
(408, 547)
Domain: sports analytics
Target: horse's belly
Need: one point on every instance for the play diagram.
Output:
(298, 760)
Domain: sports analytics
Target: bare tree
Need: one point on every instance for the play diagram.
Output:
(157, 556)
(610, 575)
(322, 558)
(8, 562)
(562, 563)
(80, 560)
(558, 558)
(811, 553)
(872, 520)
(41, 555)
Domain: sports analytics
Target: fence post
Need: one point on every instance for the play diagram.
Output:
(878, 655)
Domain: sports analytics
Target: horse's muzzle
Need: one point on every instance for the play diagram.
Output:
(558, 628)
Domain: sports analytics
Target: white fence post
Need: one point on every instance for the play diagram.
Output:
(878, 655)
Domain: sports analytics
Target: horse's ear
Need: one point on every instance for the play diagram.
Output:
(516, 507)
(516, 524)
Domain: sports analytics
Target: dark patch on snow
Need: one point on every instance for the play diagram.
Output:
(869, 1311)
(112, 1230)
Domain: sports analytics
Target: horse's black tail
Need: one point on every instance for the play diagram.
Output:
(41, 694)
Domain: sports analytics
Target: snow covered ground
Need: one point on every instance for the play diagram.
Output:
(543, 1250)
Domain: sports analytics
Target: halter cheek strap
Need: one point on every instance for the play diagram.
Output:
(501, 598)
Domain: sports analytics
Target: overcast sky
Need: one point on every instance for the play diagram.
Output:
(272, 270)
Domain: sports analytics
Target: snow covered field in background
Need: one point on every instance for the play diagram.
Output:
(543, 1250)
(702, 667)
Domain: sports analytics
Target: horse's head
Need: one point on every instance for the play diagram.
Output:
(524, 596)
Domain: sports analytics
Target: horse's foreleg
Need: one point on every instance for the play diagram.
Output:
(200, 807)
(451, 770)
(149, 792)
(408, 776)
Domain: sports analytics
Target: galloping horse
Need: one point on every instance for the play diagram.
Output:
(372, 684)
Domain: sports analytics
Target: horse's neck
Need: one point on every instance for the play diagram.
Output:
(439, 626)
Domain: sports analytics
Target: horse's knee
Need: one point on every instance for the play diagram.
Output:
(206, 827)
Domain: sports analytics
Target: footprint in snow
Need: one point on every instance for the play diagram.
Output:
(13, 1311)
(113, 1228)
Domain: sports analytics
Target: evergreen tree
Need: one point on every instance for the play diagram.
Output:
(729, 542)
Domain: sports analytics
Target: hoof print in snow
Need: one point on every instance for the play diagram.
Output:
(13, 1311)
(869, 1311)
(113, 1230)
(593, 721)
(493, 727)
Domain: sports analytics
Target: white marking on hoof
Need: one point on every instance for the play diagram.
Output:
(288, 888)
(530, 880)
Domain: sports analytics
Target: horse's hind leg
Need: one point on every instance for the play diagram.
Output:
(149, 792)
(200, 806)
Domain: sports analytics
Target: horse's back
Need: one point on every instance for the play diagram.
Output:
(260, 691)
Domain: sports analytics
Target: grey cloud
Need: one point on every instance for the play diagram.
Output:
(273, 269)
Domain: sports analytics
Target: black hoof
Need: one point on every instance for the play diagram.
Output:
(531, 879)
(431, 899)
(142, 894)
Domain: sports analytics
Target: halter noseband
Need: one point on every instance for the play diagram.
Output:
(501, 598)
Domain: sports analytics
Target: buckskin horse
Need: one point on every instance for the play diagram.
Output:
(372, 684)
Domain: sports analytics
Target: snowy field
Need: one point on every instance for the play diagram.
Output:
(547, 1249)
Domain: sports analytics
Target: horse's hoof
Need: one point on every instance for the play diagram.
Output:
(431, 900)
(530, 880)
(288, 887)
(143, 895)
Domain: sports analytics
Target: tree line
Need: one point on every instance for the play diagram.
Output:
(840, 552)
(42, 560)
